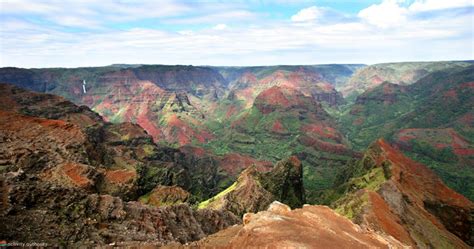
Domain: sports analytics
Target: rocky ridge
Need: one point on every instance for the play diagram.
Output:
(309, 226)
(254, 191)
(394, 195)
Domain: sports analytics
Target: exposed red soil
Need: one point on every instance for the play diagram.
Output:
(467, 119)
(322, 131)
(183, 133)
(382, 216)
(120, 176)
(232, 110)
(467, 85)
(276, 76)
(277, 127)
(324, 146)
(440, 145)
(325, 87)
(274, 96)
(464, 152)
(249, 78)
(295, 162)
(283, 98)
(38, 128)
(417, 179)
(450, 94)
(460, 145)
(406, 138)
(247, 94)
(376, 80)
(75, 172)
(234, 163)
(193, 150)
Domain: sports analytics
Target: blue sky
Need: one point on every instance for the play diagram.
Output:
(51, 33)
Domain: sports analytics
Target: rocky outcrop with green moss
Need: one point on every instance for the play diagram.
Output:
(254, 191)
(285, 182)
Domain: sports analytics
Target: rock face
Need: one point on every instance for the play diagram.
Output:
(165, 196)
(285, 182)
(67, 184)
(389, 193)
(254, 191)
(308, 227)
(246, 195)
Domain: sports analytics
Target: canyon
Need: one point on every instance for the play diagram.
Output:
(181, 156)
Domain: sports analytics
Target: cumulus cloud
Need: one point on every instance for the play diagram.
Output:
(307, 14)
(390, 13)
(220, 26)
(384, 15)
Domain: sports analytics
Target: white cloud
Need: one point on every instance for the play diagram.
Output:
(385, 15)
(221, 15)
(307, 14)
(89, 13)
(391, 13)
(220, 26)
(427, 5)
(366, 39)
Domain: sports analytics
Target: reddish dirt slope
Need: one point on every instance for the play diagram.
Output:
(413, 205)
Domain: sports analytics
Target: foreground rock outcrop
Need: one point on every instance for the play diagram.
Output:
(307, 227)
(42, 212)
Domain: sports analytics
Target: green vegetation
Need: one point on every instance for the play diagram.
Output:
(206, 203)
(456, 176)
(351, 205)
(423, 104)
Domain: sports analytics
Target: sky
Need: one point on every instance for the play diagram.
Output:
(52, 33)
